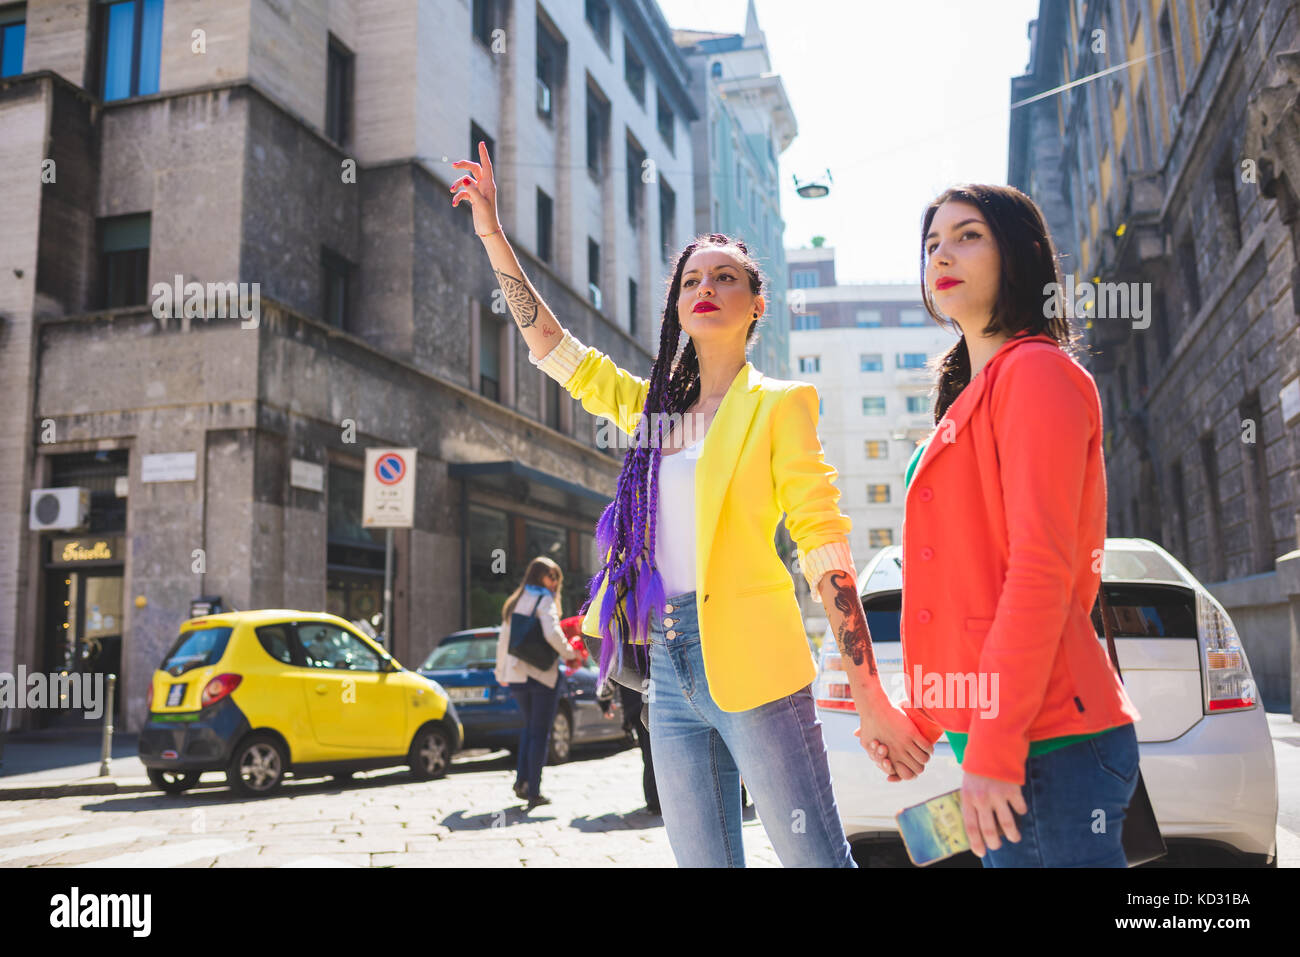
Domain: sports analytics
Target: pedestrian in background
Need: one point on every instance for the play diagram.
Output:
(537, 691)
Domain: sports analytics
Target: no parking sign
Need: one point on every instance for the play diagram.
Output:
(389, 498)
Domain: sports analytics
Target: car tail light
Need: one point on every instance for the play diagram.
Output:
(1226, 677)
(218, 688)
(831, 690)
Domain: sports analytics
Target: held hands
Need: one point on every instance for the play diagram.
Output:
(890, 729)
(480, 189)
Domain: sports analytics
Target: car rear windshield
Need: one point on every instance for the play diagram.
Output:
(883, 612)
(1148, 611)
(196, 649)
(463, 653)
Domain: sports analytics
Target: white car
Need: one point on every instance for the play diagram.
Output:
(1207, 758)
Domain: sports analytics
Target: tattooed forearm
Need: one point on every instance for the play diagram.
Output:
(853, 637)
(520, 299)
(549, 331)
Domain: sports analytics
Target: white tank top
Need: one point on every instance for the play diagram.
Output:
(675, 520)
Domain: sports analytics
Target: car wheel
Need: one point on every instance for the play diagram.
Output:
(173, 782)
(561, 746)
(430, 754)
(257, 767)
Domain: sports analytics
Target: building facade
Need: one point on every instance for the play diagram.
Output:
(869, 348)
(293, 161)
(746, 122)
(1171, 184)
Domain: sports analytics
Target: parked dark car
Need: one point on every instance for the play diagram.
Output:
(464, 663)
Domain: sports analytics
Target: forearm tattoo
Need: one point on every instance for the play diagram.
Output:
(853, 637)
(520, 299)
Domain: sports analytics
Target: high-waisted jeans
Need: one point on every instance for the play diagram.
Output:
(701, 752)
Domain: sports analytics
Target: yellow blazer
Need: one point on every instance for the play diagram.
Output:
(761, 457)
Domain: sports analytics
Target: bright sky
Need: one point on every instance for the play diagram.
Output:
(898, 100)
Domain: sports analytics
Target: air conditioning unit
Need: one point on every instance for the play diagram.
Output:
(543, 98)
(593, 293)
(58, 508)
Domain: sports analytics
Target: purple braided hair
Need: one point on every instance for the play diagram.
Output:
(626, 529)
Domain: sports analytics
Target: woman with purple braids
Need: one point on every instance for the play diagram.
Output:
(692, 578)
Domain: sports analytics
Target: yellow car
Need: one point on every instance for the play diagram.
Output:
(260, 694)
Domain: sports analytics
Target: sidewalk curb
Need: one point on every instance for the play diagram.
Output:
(26, 792)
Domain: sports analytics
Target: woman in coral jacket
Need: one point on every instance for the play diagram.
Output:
(717, 453)
(1004, 527)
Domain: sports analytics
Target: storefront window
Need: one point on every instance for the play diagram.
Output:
(491, 576)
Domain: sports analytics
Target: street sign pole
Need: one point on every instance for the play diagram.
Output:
(388, 590)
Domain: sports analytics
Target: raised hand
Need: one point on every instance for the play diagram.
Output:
(479, 187)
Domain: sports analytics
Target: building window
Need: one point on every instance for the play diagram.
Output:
(878, 494)
(917, 404)
(636, 158)
(483, 21)
(631, 307)
(489, 533)
(810, 363)
(1191, 281)
(1144, 130)
(1160, 322)
(715, 70)
(354, 554)
(868, 318)
(336, 283)
(124, 260)
(1225, 198)
(597, 13)
(876, 448)
(807, 321)
(593, 272)
(880, 537)
(338, 94)
(130, 48)
(1169, 67)
(871, 362)
(667, 122)
(551, 403)
(806, 279)
(545, 213)
(489, 355)
(597, 128)
(910, 360)
(13, 34)
(477, 135)
(667, 218)
(550, 70)
(911, 317)
(873, 405)
(633, 72)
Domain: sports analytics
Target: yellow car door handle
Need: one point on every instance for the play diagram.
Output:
(322, 688)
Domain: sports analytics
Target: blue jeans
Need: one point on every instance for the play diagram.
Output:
(538, 704)
(1076, 798)
(701, 752)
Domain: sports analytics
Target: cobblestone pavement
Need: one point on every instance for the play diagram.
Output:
(471, 818)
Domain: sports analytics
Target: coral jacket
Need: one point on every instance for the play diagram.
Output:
(761, 456)
(1004, 527)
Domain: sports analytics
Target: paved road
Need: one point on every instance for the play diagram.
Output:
(383, 819)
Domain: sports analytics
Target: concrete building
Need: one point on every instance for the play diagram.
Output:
(868, 348)
(746, 122)
(1174, 180)
(301, 153)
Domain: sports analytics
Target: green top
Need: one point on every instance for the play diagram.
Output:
(958, 738)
